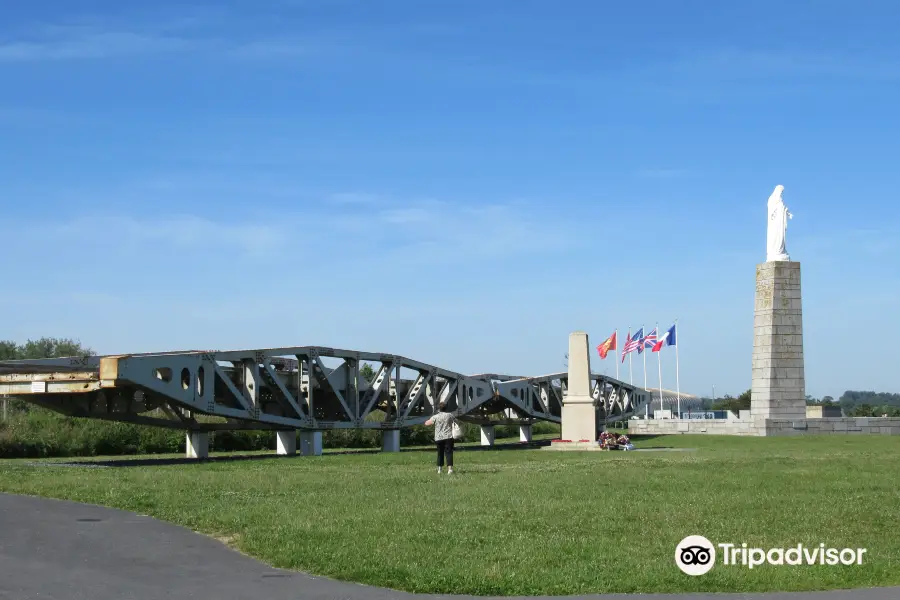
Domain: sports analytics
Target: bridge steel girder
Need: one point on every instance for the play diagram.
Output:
(614, 400)
(274, 388)
(292, 388)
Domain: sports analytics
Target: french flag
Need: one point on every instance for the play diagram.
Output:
(667, 339)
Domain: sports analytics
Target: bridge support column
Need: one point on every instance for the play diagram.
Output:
(311, 443)
(524, 433)
(579, 417)
(197, 445)
(487, 435)
(286, 442)
(390, 440)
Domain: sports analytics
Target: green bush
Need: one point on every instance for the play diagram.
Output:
(39, 433)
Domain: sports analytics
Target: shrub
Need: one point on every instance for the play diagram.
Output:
(36, 432)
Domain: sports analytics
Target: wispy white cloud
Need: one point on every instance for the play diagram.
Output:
(94, 42)
(754, 62)
(751, 75)
(442, 232)
(411, 231)
(354, 198)
(119, 235)
(276, 48)
(90, 45)
(425, 214)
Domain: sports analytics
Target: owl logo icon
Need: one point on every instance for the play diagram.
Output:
(695, 555)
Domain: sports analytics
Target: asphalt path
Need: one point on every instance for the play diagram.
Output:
(56, 550)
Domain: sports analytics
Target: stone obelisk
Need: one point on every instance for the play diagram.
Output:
(778, 389)
(579, 417)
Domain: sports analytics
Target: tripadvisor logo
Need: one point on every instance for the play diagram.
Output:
(696, 555)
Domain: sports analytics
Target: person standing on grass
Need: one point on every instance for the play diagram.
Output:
(443, 423)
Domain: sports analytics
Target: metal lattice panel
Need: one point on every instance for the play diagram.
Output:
(307, 387)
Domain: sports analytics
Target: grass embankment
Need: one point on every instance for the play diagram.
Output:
(529, 521)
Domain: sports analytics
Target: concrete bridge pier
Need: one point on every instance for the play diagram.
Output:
(487, 435)
(286, 442)
(311, 443)
(525, 433)
(390, 440)
(197, 445)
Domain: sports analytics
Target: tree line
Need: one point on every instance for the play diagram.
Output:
(45, 347)
(870, 404)
(854, 403)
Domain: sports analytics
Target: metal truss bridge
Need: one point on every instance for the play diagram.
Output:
(309, 388)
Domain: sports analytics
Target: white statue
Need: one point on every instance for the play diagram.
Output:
(778, 218)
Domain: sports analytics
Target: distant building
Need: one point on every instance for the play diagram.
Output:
(824, 412)
(689, 402)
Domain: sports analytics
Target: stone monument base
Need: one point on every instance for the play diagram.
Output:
(833, 426)
(767, 427)
(578, 420)
(582, 445)
(778, 384)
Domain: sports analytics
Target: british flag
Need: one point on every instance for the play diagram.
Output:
(633, 343)
(647, 342)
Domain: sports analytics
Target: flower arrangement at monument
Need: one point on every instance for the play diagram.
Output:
(610, 441)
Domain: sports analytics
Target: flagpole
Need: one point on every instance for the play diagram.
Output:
(616, 334)
(630, 371)
(659, 363)
(643, 335)
(677, 382)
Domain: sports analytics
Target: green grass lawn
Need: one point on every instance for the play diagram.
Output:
(529, 521)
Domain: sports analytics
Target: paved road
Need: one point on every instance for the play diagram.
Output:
(55, 550)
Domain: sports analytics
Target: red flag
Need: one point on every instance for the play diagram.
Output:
(605, 347)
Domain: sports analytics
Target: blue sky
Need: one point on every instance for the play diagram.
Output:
(462, 182)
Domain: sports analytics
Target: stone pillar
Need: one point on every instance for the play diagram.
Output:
(390, 440)
(197, 445)
(525, 433)
(487, 435)
(579, 417)
(311, 443)
(286, 442)
(778, 389)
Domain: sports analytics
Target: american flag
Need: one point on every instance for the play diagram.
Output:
(633, 343)
(648, 342)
